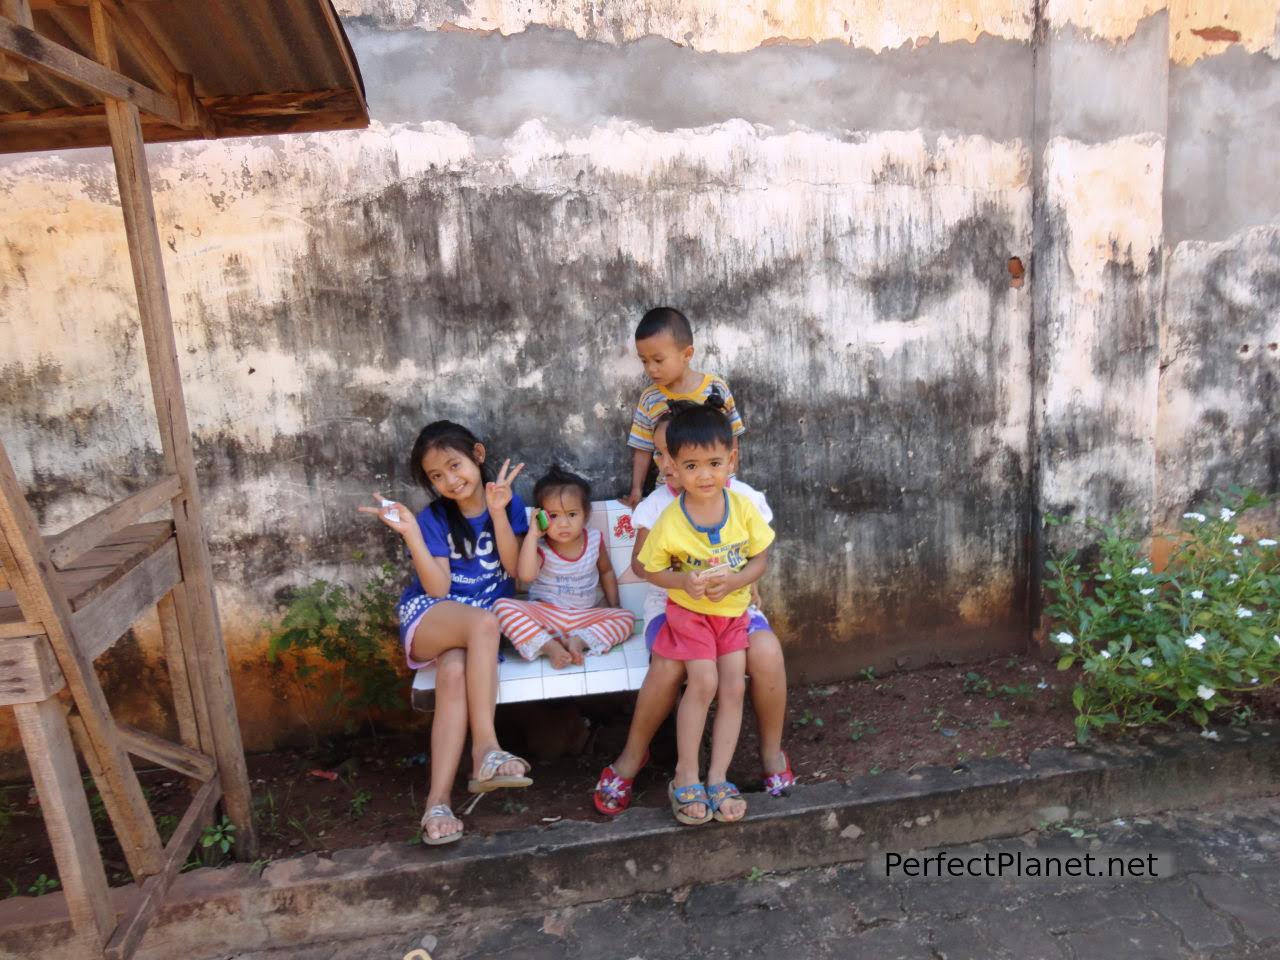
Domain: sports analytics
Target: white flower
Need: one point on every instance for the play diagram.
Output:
(1042, 685)
(1235, 553)
(1107, 576)
(1148, 662)
(1139, 571)
(1266, 542)
(1237, 539)
(1197, 594)
(1147, 591)
(1205, 693)
(1244, 613)
(1064, 638)
(1197, 517)
(1254, 680)
(1209, 734)
(1226, 514)
(1195, 641)
(1105, 655)
(1233, 578)
(1146, 608)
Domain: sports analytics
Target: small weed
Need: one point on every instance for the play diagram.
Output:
(876, 771)
(976, 684)
(44, 884)
(807, 718)
(257, 867)
(998, 722)
(1243, 716)
(166, 823)
(859, 729)
(302, 829)
(755, 876)
(513, 806)
(1019, 691)
(12, 885)
(216, 840)
(359, 803)
(869, 674)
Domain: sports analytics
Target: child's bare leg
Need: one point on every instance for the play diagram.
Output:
(657, 696)
(691, 721)
(448, 736)
(768, 674)
(451, 626)
(730, 691)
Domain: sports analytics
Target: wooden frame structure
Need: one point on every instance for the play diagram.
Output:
(75, 68)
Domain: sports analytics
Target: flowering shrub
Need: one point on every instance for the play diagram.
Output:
(1189, 640)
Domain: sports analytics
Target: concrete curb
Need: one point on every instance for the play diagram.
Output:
(394, 888)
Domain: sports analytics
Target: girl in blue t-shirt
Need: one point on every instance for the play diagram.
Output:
(464, 545)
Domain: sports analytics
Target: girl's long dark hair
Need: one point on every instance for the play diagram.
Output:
(447, 435)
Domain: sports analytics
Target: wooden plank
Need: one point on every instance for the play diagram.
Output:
(146, 259)
(103, 621)
(88, 533)
(23, 550)
(188, 698)
(233, 116)
(129, 933)
(19, 627)
(28, 671)
(189, 763)
(19, 11)
(31, 48)
(52, 759)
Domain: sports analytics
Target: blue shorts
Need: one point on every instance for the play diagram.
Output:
(755, 621)
(411, 611)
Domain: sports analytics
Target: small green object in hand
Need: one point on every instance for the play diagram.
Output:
(541, 517)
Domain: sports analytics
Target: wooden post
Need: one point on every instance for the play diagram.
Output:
(19, 11)
(43, 727)
(175, 434)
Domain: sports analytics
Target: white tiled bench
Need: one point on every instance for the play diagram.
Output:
(622, 668)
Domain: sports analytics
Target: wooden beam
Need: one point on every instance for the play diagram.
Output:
(189, 763)
(129, 933)
(19, 11)
(263, 114)
(88, 533)
(52, 758)
(180, 659)
(147, 261)
(28, 671)
(30, 47)
(104, 619)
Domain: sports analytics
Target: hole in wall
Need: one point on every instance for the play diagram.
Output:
(1016, 272)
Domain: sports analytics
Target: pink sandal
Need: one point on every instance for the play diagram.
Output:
(776, 784)
(613, 792)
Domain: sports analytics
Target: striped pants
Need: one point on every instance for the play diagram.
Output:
(531, 623)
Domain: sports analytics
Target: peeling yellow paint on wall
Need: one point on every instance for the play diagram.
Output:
(726, 26)
(1203, 28)
(1104, 19)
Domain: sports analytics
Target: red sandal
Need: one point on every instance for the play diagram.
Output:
(777, 784)
(613, 793)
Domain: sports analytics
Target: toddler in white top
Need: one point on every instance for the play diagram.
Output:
(564, 565)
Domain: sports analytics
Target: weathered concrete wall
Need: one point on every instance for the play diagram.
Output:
(832, 190)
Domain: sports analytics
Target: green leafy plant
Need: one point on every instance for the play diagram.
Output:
(755, 876)
(43, 884)
(997, 722)
(976, 683)
(359, 803)
(1188, 641)
(859, 729)
(343, 644)
(216, 841)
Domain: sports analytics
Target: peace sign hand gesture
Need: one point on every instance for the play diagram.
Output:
(497, 494)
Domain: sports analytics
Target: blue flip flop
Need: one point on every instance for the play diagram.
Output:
(682, 797)
(717, 794)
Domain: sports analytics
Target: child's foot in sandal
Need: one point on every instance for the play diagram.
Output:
(613, 790)
(687, 800)
(498, 769)
(439, 825)
(727, 804)
(778, 783)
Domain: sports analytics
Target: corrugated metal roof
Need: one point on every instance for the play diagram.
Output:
(245, 56)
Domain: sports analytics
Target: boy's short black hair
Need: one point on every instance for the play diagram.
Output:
(667, 319)
(557, 480)
(701, 426)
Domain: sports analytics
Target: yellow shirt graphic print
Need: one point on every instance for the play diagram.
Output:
(674, 542)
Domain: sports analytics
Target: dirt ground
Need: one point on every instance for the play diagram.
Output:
(358, 791)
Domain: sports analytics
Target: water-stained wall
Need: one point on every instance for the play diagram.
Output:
(925, 243)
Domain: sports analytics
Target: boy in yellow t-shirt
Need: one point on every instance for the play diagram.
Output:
(664, 343)
(706, 550)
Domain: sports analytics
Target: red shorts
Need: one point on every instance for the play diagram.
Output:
(699, 636)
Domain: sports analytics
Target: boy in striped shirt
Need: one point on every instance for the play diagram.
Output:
(664, 343)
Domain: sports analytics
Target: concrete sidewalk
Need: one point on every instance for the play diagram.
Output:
(1220, 903)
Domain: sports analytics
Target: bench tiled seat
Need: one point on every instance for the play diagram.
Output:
(622, 668)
